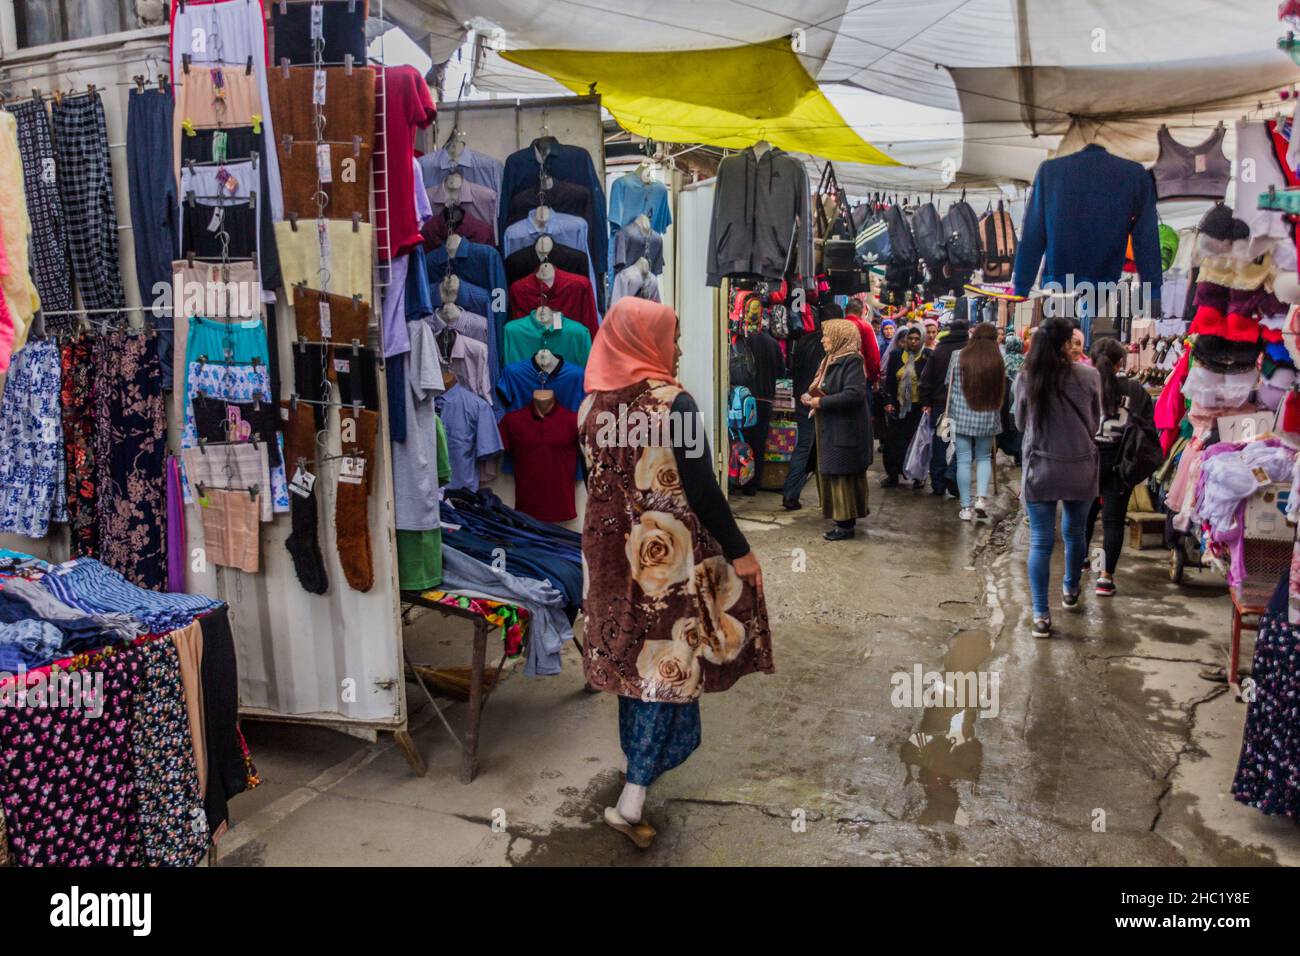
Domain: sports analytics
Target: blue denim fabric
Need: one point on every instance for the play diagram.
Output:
(1042, 538)
(978, 448)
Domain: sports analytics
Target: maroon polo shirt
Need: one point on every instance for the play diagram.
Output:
(545, 451)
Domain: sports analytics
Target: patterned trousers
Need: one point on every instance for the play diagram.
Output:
(81, 147)
(49, 245)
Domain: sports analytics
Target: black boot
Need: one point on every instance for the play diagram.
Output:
(840, 533)
(890, 482)
(791, 504)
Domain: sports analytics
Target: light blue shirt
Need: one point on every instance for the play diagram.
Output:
(476, 167)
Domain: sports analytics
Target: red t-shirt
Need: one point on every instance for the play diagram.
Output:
(870, 347)
(407, 106)
(545, 450)
(570, 295)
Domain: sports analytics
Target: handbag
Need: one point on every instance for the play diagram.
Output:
(944, 428)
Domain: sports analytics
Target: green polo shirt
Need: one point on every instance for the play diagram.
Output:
(525, 337)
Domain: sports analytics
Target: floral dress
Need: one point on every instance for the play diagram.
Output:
(667, 617)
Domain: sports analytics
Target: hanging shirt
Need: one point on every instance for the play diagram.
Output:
(570, 164)
(545, 451)
(562, 198)
(477, 200)
(468, 358)
(631, 282)
(436, 230)
(632, 244)
(525, 337)
(415, 461)
(630, 197)
(474, 166)
(565, 230)
(407, 107)
(472, 434)
(519, 380)
(568, 293)
(481, 265)
(477, 327)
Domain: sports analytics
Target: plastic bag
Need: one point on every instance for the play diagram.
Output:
(916, 466)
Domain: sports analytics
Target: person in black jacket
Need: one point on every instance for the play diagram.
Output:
(1124, 403)
(901, 391)
(934, 398)
(805, 358)
(838, 399)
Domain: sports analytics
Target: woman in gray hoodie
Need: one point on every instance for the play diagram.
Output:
(1058, 408)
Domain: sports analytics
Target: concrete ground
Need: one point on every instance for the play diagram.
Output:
(1107, 747)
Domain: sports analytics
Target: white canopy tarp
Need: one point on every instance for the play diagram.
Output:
(1022, 77)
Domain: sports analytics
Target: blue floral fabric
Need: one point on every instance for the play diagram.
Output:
(656, 736)
(32, 466)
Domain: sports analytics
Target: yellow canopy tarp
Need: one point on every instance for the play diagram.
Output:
(731, 96)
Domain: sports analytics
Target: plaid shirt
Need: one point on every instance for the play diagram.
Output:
(965, 420)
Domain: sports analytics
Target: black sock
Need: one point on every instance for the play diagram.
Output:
(304, 544)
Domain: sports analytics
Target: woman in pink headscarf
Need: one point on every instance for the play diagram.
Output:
(674, 595)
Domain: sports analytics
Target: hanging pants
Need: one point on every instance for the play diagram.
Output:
(49, 244)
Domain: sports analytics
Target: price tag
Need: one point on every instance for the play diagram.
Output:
(353, 471)
(218, 218)
(284, 413)
(317, 21)
(318, 88)
(66, 567)
(227, 180)
(326, 326)
(324, 171)
(343, 365)
(303, 482)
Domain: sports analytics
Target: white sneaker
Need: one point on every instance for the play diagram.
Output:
(981, 508)
(966, 514)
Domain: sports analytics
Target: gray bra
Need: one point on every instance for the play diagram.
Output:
(1191, 172)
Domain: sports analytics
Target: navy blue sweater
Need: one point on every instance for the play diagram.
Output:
(1081, 212)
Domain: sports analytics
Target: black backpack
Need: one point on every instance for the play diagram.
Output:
(962, 245)
(928, 232)
(902, 247)
(1140, 453)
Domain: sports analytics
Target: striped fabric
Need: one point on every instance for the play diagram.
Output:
(91, 586)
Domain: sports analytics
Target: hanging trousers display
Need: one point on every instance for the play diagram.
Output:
(86, 185)
(153, 206)
(49, 245)
(31, 433)
(130, 450)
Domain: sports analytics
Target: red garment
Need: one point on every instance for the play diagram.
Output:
(569, 294)
(545, 450)
(471, 227)
(870, 347)
(407, 106)
(1172, 406)
(1234, 327)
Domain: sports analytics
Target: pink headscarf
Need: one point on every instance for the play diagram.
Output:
(637, 341)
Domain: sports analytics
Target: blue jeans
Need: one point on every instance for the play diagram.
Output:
(979, 447)
(797, 476)
(1042, 537)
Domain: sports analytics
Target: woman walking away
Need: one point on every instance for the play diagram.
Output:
(978, 386)
(901, 387)
(1058, 407)
(838, 398)
(674, 596)
(1124, 404)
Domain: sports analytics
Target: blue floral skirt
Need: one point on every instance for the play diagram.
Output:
(656, 737)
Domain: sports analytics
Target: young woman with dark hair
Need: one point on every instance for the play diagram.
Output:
(1058, 407)
(1124, 403)
(978, 385)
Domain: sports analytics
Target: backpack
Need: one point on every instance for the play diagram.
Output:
(742, 412)
(998, 238)
(1140, 453)
(741, 368)
(778, 321)
(928, 232)
(872, 241)
(898, 234)
(741, 465)
(961, 228)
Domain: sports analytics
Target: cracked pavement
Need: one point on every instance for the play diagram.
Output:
(1108, 748)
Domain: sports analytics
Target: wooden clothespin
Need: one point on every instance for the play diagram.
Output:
(293, 221)
(347, 62)
(90, 89)
(356, 222)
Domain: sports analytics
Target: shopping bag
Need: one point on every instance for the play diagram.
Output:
(916, 465)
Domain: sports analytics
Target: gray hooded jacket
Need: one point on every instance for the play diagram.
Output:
(759, 206)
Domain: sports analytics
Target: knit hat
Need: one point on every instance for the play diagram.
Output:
(1219, 224)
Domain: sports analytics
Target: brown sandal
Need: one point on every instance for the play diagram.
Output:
(640, 833)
